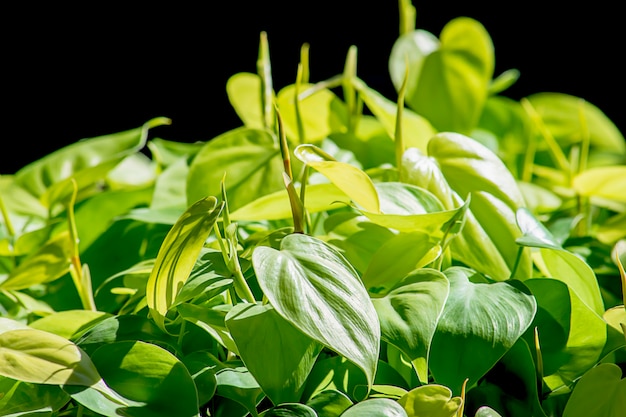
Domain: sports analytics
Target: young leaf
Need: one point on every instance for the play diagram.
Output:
(314, 288)
(431, 400)
(606, 182)
(243, 91)
(348, 178)
(535, 234)
(178, 255)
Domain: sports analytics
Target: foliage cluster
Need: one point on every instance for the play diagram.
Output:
(453, 252)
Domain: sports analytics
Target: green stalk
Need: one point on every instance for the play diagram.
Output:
(540, 371)
(555, 150)
(264, 69)
(304, 63)
(80, 275)
(529, 158)
(349, 93)
(296, 105)
(7, 219)
(407, 16)
(399, 139)
(520, 251)
(584, 208)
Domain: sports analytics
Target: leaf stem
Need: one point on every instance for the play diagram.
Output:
(399, 139)
(518, 258)
(264, 69)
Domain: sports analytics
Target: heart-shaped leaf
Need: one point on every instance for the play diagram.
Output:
(430, 400)
(380, 407)
(313, 287)
(479, 324)
(249, 160)
(278, 355)
(409, 314)
(600, 392)
(244, 94)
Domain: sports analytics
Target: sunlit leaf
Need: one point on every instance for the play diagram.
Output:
(244, 94)
(430, 400)
(600, 392)
(49, 263)
(249, 161)
(312, 286)
(178, 254)
(69, 323)
(606, 182)
(382, 407)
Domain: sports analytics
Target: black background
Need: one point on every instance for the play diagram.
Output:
(76, 72)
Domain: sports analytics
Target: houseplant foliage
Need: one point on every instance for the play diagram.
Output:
(447, 252)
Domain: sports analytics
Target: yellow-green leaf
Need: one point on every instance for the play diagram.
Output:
(605, 182)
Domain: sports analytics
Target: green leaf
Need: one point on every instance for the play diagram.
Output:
(178, 254)
(600, 392)
(121, 328)
(86, 161)
(289, 410)
(50, 262)
(40, 357)
(145, 373)
(239, 385)
(573, 271)
(22, 398)
(379, 407)
(211, 320)
(410, 251)
(430, 400)
(354, 182)
(561, 114)
(450, 78)
(416, 130)
(313, 286)
(248, 159)
(329, 403)
(69, 323)
(535, 234)
(244, 94)
(409, 314)
(408, 208)
(606, 182)
(480, 322)
(321, 113)
(572, 337)
(277, 354)
(276, 206)
(469, 167)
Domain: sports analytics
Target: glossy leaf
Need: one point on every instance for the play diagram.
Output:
(382, 407)
(277, 354)
(451, 77)
(178, 254)
(50, 262)
(86, 161)
(145, 373)
(40, 357)
(409, 250)
(417, 131)
(249, 161)
(69, 323)
(276, 206)
(479, 324)
(600, 392)
(239, 385)
(351, 180)
(329, 403)
(430, 400)
(573, 271)
(534, 233)
(409, 314)
(22, 398)
(314, 288)
(321, 113)
(469, 167)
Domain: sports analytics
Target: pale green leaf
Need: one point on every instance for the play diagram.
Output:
(606, 182)
(244, 94)
(600, 392)
(313, 286)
